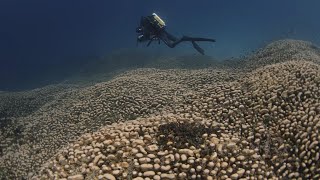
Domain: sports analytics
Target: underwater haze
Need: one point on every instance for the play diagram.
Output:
(45, 42)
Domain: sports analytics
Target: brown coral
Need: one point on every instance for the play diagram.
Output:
(262, 123)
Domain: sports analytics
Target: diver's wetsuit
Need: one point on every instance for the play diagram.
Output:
(151, 32)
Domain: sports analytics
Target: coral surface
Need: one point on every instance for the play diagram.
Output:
(259, 121)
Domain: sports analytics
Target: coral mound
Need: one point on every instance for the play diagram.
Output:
(282, 51)
(130, 151)
(133, 94)
(265, 125)
(258, 122)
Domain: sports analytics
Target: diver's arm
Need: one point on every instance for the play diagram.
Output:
(150, 41)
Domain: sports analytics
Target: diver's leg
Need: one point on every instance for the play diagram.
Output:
(186, 38)
(172, 41)
(172, 44)
(195, 45)
(170, 36)
(168, 39)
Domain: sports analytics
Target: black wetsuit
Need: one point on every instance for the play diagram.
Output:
(150, 32)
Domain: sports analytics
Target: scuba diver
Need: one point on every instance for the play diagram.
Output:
(152, 28)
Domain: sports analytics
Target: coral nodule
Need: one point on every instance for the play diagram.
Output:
(260, 121)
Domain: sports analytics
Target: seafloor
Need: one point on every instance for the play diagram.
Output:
(260, 120)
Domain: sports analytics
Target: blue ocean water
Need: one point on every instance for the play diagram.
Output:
(42, 42)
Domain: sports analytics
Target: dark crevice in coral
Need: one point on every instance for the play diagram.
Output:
(184, 134)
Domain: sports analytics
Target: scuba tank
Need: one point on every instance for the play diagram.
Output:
(158, 21)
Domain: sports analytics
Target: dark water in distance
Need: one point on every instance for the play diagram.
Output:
(42, 42)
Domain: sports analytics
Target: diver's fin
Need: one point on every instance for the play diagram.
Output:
(198, 48)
